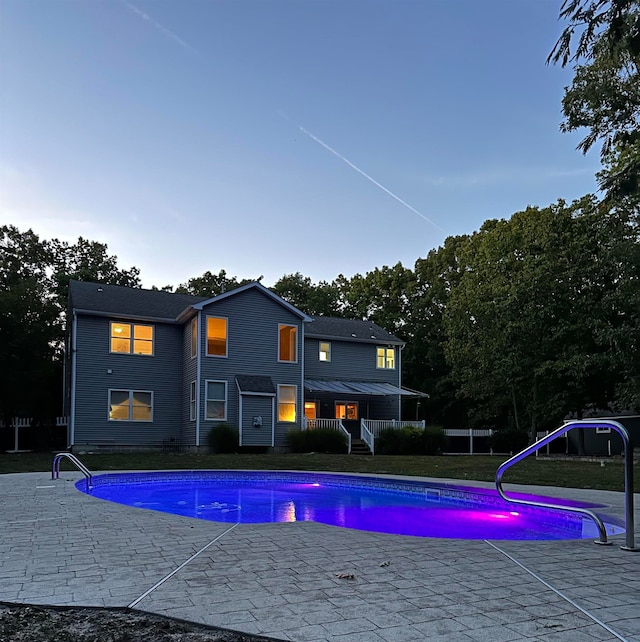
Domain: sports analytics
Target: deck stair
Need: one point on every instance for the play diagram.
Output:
(358, 447)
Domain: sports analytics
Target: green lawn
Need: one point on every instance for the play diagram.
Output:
(570, 474)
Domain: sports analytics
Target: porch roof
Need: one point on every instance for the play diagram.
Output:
(256, 384)
(357, 387)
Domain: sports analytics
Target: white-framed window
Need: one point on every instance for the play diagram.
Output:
(287, 343)
(324, 353)
(192, 401)
(287, 396)
(216, 400)
(194, 337)
(216, 337)
(131, 338)
(346, 410)
(130, 405)
(386, 358)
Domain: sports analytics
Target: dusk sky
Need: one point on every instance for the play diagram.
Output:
(267, 137)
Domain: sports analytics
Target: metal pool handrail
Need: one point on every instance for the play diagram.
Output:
(55, 467)
(630, 544)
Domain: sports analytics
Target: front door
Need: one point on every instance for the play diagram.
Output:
(349, 413)
(310, 410)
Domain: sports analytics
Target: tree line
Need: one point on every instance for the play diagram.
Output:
(513, 326)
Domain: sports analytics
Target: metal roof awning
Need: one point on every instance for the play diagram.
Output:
(358, 387)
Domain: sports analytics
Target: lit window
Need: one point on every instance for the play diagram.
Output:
(192, 401)
(310, 410)
(386, 358)
(288, 346)
(194, 336)
(216, 400)
(132, 338)
(216, 337)
(287, 403)
(325, 351)
(346, 409)
(130, 405)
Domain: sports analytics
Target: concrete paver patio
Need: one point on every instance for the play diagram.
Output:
(62, 547)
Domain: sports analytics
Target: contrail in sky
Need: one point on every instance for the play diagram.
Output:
(159, 27)
(375, 182)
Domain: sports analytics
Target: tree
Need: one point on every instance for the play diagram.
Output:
(604, 96)
(524, 324)
(425, 367)
(86, 261)
(619, 326)
(314, 299)
(210, 285)
(34, 279)
(381, 296)
(30, 325)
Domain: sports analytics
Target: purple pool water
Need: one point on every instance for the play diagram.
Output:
(363, 503)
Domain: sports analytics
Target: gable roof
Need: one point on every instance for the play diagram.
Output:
(260, 288)
(349, 330)
(123, 301)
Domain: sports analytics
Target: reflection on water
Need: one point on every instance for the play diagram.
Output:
(362, 508)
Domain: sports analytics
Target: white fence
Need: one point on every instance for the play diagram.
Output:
(25, 422)
(471, 434)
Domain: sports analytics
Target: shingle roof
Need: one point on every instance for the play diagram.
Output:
(156, 304)
(135, 302)
(256, 383)
(349, 330)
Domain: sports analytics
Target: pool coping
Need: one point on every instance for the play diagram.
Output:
(284, 580)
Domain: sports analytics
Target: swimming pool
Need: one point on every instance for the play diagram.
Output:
(383, 505)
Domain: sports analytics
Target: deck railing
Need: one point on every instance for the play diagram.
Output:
(327, 424)
(367, 436)
(376, 426)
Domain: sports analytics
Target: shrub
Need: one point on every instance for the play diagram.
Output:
(322, 440)
(411, 440)
(400, 441)
(224, 439)
(434, 439)
(509, 440)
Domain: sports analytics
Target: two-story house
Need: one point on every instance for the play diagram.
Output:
(147, 368)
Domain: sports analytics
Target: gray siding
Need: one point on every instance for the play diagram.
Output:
(252, 406)
(252, 349)
(190, 371)
(349, 361)
(159, 373)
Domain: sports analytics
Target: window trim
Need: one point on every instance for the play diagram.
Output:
(328, 352)
(295, 403)
(295, 327)
(226, 339)
(132, 325)
(385, 366)
(193, 401)
(206, 399)
(194, 337)
(131, 393)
